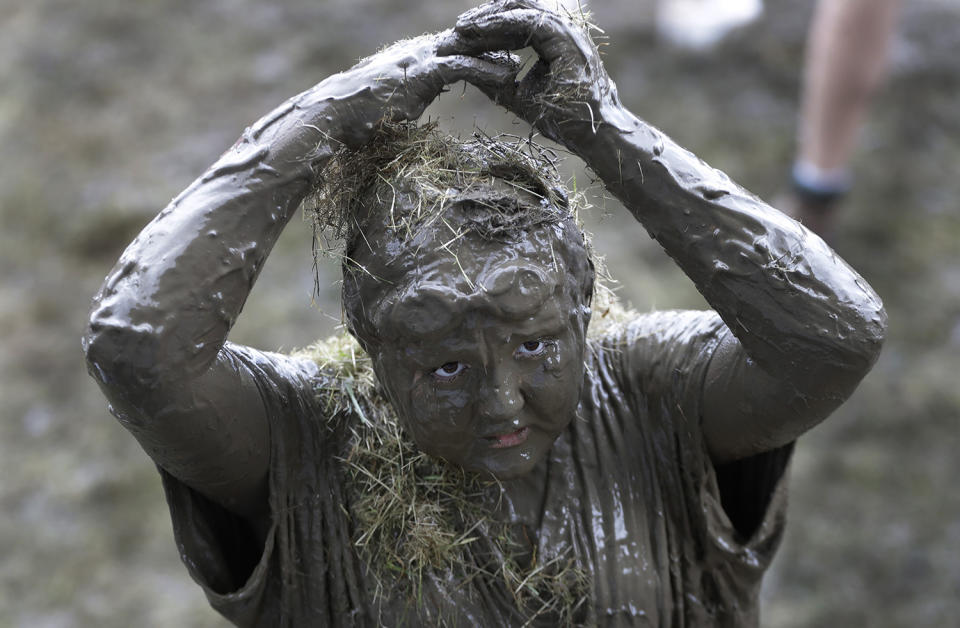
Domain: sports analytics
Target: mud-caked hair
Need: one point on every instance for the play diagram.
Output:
(393, 197)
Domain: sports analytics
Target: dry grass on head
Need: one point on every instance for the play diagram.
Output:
(408, 174)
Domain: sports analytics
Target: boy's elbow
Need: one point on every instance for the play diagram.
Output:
(854, 353)
(118, 353)
(868, 339)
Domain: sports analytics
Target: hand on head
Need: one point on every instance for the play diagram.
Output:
(399, 82)
(566, 88)
(568, 83)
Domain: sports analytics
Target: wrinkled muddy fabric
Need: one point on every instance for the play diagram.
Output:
(631, 497)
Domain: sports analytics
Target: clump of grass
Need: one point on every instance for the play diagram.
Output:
(407, 174)
(421, 162)
(413, 514)
(349, 375)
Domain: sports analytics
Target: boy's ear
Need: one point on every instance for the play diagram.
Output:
(365, 344)
(588, 284)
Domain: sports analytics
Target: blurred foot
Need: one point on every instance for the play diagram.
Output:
(814, 197)
(818, 215)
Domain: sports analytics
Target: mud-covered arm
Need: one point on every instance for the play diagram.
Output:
(806, 327)
(156, 334)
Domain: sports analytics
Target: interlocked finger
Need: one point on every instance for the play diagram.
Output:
(491, 71)
(549, 34)
(491, 8)
(499, 6)
(495, 74)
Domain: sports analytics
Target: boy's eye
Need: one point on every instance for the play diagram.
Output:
(449, 370)
(531, 348)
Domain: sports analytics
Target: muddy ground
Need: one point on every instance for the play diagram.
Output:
(110, 107)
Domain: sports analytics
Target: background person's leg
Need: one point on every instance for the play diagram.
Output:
(845, 63)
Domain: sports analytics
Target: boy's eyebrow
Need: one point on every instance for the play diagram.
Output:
(424, 310)
(518, 292)
(513, 312)
(427, 311)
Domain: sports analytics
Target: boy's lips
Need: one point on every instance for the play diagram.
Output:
(510, 439)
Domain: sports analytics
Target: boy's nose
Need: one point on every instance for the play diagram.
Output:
(501, 399)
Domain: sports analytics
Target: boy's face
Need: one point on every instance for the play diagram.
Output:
(483, 354)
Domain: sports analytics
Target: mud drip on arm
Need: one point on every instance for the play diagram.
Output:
(806, 326)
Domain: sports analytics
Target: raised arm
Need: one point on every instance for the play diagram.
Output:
(806, 327)
(156, 337)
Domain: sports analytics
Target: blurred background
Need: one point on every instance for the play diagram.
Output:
(109, 108)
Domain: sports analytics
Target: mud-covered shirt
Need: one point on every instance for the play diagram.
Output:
(667, 538)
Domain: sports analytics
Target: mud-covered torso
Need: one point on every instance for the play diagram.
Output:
(628, 528)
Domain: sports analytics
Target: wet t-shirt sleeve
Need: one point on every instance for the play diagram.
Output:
(723, 523)
(301, 574)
